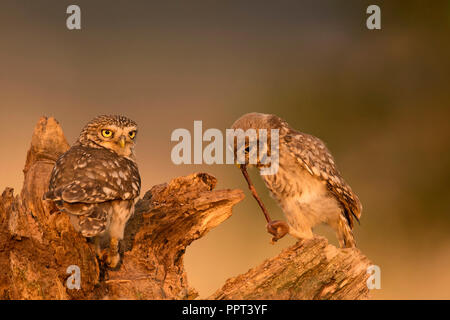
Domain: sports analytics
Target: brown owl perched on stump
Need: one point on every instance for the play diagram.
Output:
(307, 185)
(97, 180)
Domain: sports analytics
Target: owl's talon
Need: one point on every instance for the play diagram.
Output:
(102, 255)
(278, 229)
(110, 258)
(113, 260)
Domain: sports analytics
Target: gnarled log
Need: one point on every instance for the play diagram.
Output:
(167, 220)
(310, 269)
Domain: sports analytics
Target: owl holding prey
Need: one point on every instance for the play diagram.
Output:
(97, 181)
(307, 185)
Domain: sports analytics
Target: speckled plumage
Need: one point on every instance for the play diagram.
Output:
(307, 185)
(97, 180)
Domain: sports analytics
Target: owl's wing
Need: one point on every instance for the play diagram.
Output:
(89, 175)
(313, 155)
(90, 219)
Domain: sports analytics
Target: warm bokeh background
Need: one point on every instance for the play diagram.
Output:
(380, 99)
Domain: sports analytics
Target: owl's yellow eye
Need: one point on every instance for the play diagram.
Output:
(107, 133)
(132, 134)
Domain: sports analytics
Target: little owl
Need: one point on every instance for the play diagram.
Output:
(307, 185)
(97, 180)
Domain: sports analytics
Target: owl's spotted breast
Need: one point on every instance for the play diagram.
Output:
(308, 185)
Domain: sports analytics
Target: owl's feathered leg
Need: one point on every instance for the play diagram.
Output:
(113, 255)
(301, 234)
(98, 247)
(121, 212)
(297, 220)
(110, 255)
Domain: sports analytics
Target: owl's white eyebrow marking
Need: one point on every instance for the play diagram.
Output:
(112, 127)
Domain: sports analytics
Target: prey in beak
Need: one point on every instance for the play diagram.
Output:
(276, 228)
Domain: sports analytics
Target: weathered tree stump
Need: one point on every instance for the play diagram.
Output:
(38, 244)
(310, 269)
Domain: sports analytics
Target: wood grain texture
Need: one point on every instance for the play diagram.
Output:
(310, 269)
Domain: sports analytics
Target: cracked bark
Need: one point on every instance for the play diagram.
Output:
(37, 244)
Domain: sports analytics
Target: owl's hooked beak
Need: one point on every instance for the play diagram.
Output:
(122, 141)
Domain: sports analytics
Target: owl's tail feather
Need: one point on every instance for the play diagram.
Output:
(345, 234)
(96, 222)
(90, 221)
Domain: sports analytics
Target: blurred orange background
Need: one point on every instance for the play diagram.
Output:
(379, 99)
